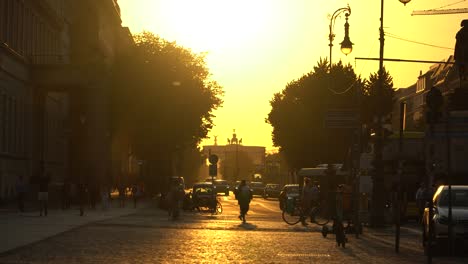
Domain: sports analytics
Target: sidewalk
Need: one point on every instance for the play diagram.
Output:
(21, 229)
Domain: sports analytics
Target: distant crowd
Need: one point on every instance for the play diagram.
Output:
(79, 195)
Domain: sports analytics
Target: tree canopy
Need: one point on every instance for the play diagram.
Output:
(162, 95)
(298, 112)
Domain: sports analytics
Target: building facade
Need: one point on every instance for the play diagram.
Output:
(55, 60)
(442, 139)
(237, 161)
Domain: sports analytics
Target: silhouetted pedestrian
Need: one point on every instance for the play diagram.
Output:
(81, 197)
(244, 196)
(136, 193)
(306, 200)
(43, 194)
(105, 198)
(421, 196)
(122, 190)
(21, 189)
(65, 192)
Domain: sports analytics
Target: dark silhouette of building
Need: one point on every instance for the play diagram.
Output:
(55, 59)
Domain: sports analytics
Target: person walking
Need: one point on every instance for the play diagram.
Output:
(21, 189)
(308, 195)
(43, 194)
(135, 194)
(175, 197)
(244, 196)
(105, 198)
(81, 197)
(66, 190)
(122, 190)
(421, 196)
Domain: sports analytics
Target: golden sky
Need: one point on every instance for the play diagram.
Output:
(255, 47)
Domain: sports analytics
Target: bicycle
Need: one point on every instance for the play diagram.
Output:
(293, 213)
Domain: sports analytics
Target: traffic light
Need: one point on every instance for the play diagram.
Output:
(434, 102)
(213, 169)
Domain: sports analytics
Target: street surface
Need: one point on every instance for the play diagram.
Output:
(149, 236)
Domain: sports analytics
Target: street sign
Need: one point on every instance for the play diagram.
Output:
(341, 118)
(213, 159)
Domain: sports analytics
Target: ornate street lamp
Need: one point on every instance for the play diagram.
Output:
(346, 45)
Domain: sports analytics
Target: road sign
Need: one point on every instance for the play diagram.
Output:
(342, 118)
(213, 159)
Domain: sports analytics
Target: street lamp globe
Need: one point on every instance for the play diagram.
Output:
(405, 1)
(346, 45)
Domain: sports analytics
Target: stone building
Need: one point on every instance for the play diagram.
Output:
(55, 59)
(231, 151)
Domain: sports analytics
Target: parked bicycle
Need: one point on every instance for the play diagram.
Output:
(293, 213)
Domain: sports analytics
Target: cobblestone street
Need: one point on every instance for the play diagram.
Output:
(148, 236)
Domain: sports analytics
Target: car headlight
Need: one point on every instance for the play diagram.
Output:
(443, 220)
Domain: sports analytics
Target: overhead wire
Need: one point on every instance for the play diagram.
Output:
(355, 81)
(413, 41)
(450, 4)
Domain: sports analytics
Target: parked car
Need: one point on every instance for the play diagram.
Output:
(440, 220)
(289, 190)
(272, 190)
(257, 188)
(222, 186)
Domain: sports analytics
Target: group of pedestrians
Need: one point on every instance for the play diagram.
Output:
(83, 194)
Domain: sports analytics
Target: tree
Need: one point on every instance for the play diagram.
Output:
(163, 99)
(373, 102)
(298, 112)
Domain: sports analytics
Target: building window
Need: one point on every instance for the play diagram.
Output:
(7, 124)
(3, 18)
(21, 20)
(2, 123)
(421, 84)
(14, 126)
(8, 20)
(14, 26)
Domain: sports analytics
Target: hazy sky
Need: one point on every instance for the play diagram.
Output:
(255, 47)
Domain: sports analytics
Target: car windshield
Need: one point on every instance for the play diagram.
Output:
(202, 190)
(221, 182)
(459, 198)
(272, 186)
(293, 189)
(256, 184)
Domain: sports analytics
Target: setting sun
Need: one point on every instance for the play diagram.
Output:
(210, 24)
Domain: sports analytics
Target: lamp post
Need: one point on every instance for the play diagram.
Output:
(346, 45)
(379, 188)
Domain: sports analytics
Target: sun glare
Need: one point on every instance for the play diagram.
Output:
(204, 25)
